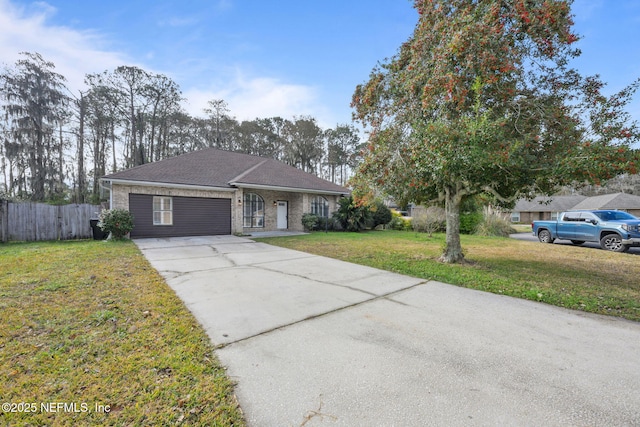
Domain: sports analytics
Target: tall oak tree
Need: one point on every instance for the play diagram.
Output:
(481, 99)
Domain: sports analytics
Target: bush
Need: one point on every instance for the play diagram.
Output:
(313, 222)
(380, 214)
(117, 222)
(327, 224)
(469, 222)
(493, 223)
(398, 222)
(432, 220)
(310, 221)
(351, 216)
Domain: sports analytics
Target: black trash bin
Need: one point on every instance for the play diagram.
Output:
(98, 233)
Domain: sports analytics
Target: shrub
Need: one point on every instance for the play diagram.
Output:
(493, 223)
(313, 222)
(327, 224)
(352, 216)
(431, 220)
(469, 222)
(380, 214)
(117, 222)
(310, 221)
(400, 223)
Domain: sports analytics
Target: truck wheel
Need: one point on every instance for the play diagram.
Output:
(545, 236)
(577, 242)
(613, 242)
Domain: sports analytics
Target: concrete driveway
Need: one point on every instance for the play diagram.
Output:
(314, 341)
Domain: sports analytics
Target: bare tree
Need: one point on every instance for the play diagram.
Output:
(217, 114)
(164, 97)
(342, 144)
(34, 108)
(304, 140)
(125, 88)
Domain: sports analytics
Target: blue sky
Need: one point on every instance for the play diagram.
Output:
(268, 58)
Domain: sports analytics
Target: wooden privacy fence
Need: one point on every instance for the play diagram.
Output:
(27, 221)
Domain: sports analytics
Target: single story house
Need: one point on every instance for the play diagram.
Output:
(548, 207)
(211, 191)
(619, 201)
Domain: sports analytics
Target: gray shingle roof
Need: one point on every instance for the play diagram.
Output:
(225, 169)
(548, 204)
(610, 201)
(567, 203)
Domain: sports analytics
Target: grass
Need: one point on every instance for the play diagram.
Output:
(522, 228)
(579, 278)
(90, 334)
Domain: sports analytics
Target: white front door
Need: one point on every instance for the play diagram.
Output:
(281, 221)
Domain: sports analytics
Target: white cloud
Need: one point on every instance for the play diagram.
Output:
(251, 97)
(78, 52)
(73, 52)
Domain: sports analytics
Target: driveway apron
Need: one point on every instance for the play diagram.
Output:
(314, 341)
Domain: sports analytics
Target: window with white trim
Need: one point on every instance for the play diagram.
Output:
(515, 216)
(320, 206)
(162, 210)
(253, 211)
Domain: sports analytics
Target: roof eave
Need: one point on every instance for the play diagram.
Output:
(288, 189)
(166, 185)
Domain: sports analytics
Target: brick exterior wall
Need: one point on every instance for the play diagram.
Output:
(120, 198)
(529, 217)
(298, 203)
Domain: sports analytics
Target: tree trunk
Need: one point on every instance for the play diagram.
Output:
(60, 186)
(38, 175)
(82, 106)
(96, 163)
(453, 248)
(114, 165)
(152, 136)
(133, 135)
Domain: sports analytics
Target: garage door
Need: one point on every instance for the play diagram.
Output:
(191, 216)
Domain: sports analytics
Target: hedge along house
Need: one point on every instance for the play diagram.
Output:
(212, 191)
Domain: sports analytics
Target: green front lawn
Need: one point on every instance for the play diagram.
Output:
(90, 334)
(585, 279)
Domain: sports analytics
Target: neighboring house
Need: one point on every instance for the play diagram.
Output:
(548, 207)
(618, 201)
(543, 207)
(212, 191)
